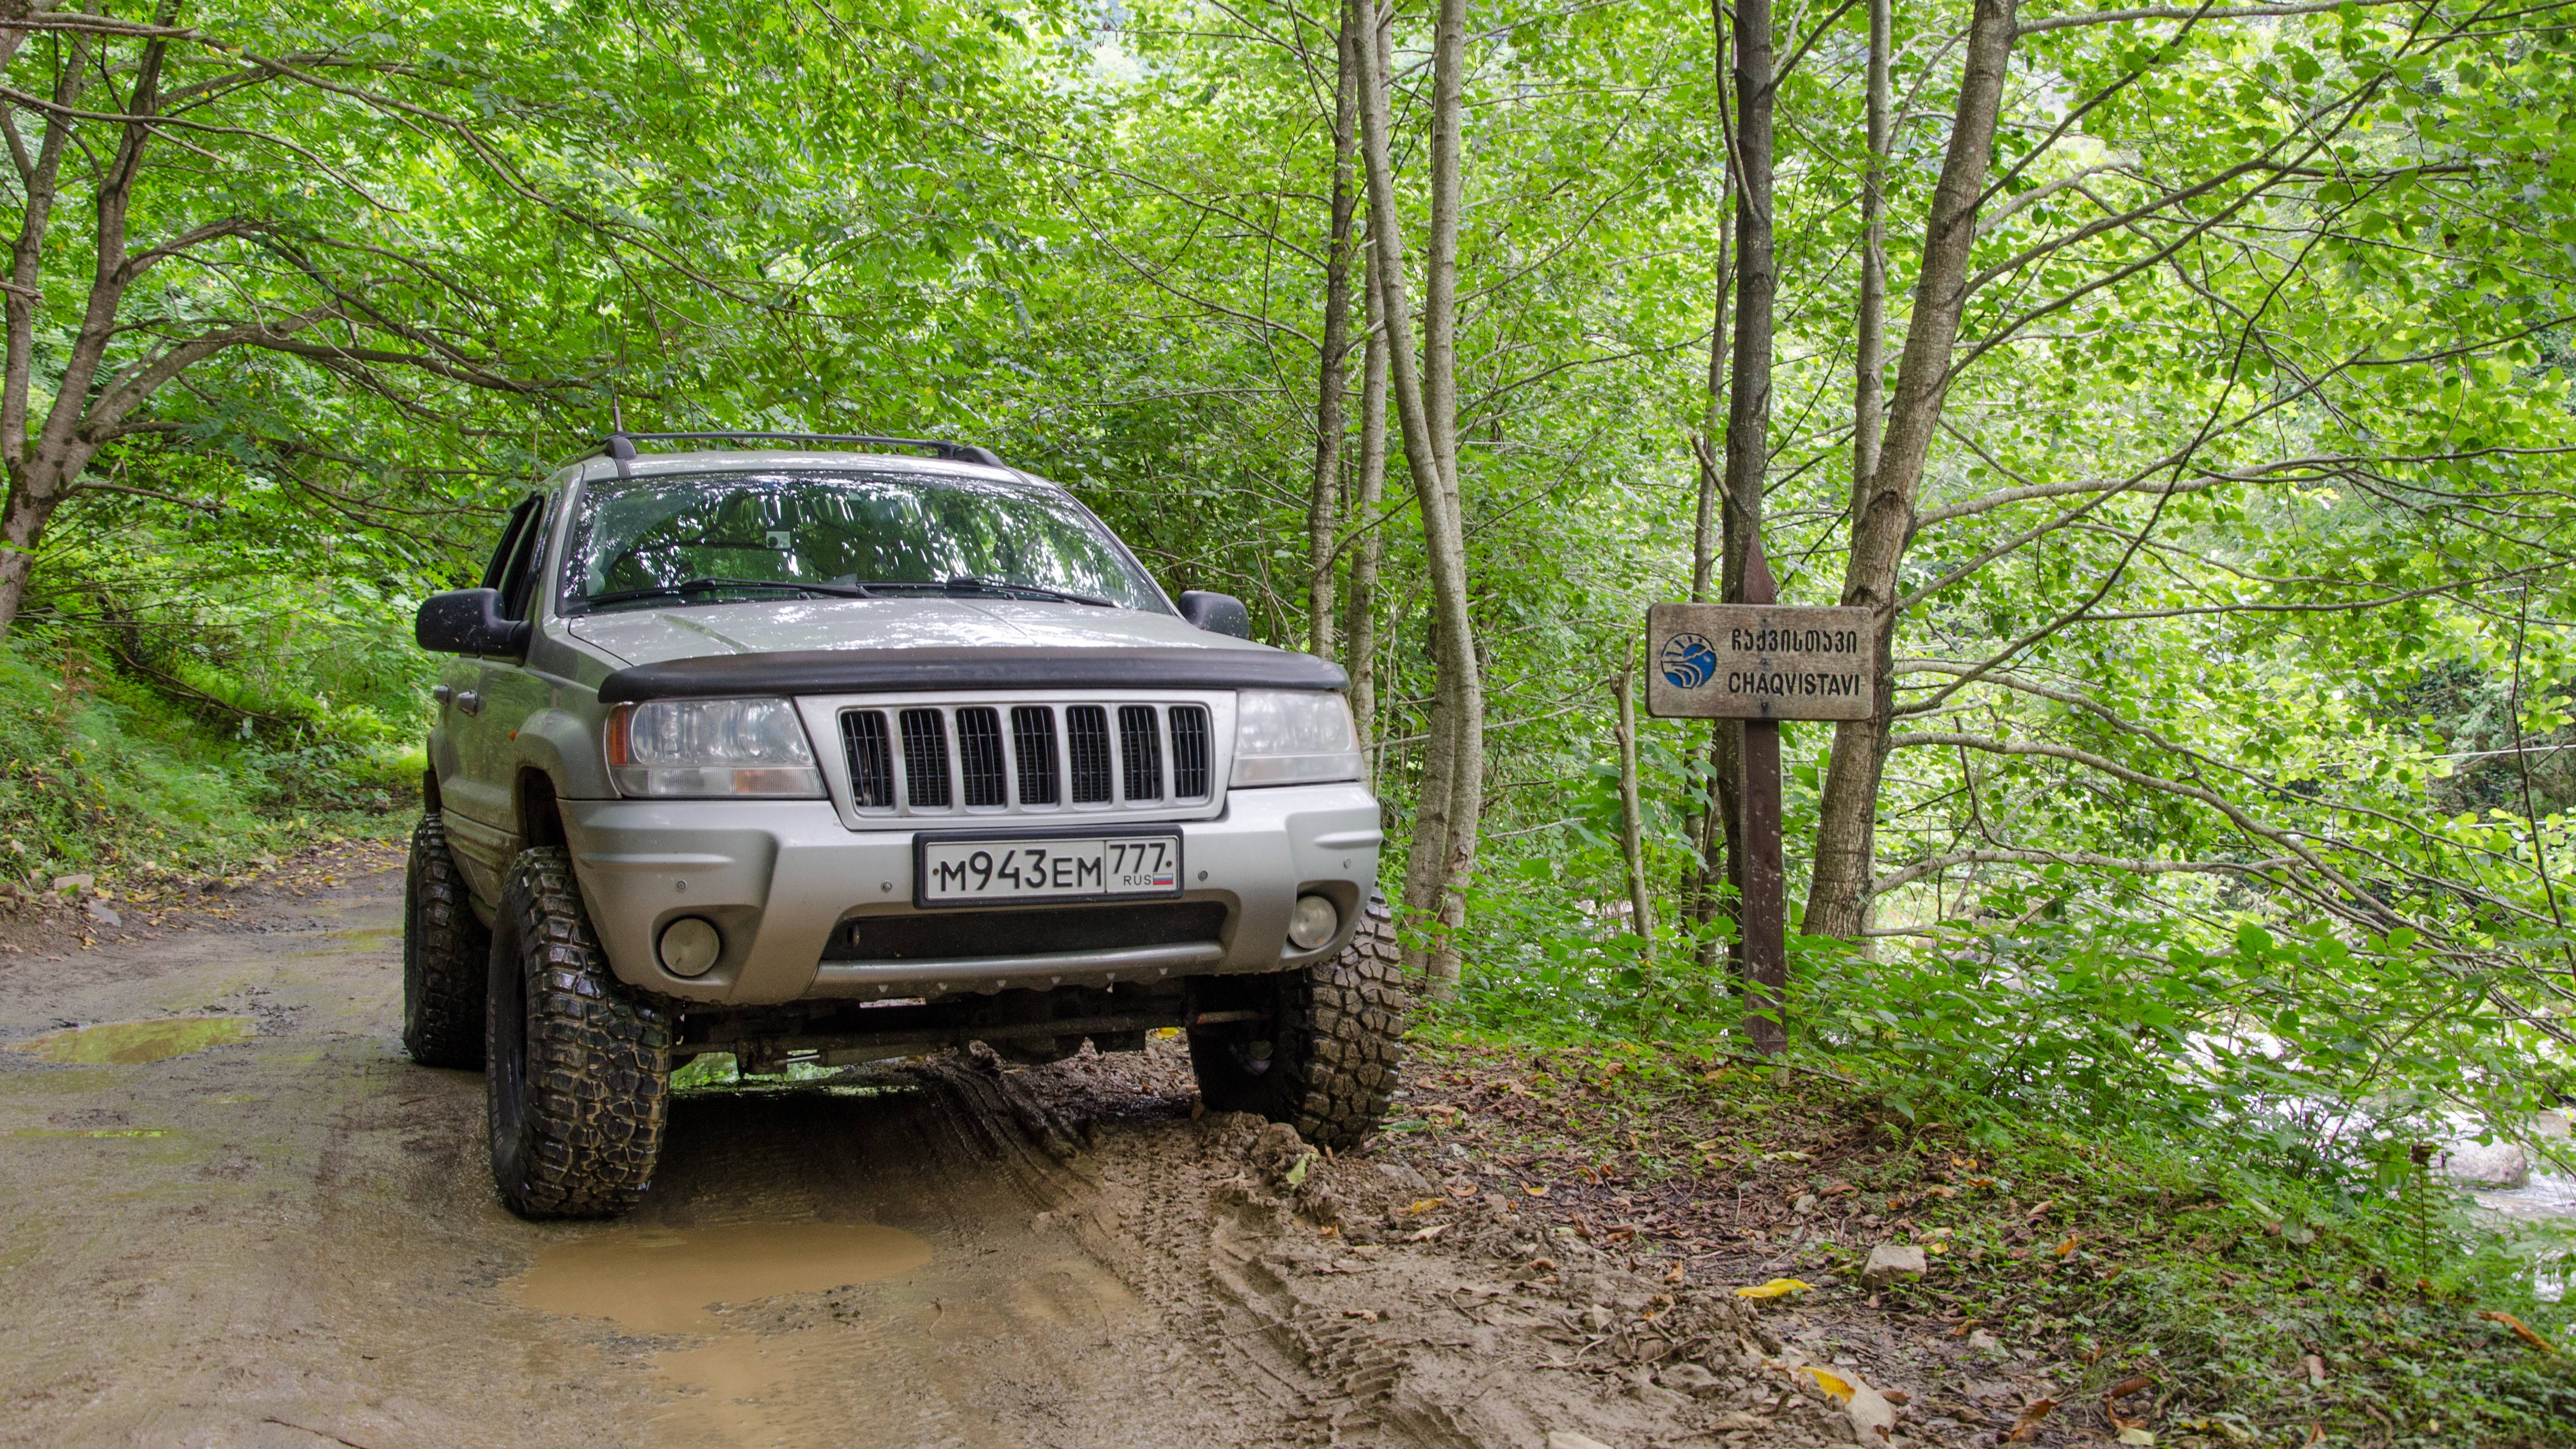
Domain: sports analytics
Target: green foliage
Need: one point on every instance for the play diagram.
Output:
(100, 774)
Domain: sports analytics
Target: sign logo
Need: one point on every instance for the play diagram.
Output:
(1688, 661)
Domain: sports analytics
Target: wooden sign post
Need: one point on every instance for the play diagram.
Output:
(1761, 662)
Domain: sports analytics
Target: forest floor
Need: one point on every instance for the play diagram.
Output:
(251, 1221)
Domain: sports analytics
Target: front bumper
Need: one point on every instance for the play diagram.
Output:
(778, 878)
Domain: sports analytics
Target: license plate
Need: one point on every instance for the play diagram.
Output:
(1052, 868)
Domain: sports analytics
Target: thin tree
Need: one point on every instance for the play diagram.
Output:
(1332, 387)
(1451, 800)
(1883, 515)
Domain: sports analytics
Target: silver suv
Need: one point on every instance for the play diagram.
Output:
(861, 751)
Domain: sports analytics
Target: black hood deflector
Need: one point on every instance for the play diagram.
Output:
(899, 671)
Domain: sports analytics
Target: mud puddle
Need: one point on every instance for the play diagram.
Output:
(131, 1043)
(732, 1381)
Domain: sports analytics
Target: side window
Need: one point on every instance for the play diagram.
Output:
(499, 567)
(518, 576)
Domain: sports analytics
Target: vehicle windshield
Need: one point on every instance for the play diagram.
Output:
(657, 541)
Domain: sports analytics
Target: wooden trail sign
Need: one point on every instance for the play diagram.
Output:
(1759, 661)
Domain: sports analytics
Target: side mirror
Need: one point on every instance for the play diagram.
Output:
(468, 621)
(1217, 613)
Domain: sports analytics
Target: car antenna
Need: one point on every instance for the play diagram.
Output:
(619, 449)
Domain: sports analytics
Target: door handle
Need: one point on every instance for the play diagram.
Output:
(470, 702)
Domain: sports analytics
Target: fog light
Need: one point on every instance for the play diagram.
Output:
(1312, 923)
(690, 946)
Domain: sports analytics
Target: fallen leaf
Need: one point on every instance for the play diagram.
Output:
(1542, 1265)
(2026, 1427)
(1981, 1182)
(1297, 1173)
(1839, 1188)
(2044, 1205)
(2128, 1386)
(1365, 1315)
(2068, 1246)
(1962, 1330)
(2135, 1435)
(1833, 1383)
(1941, 1192)
(2520, 1329)
(1424, 1235)
(1424, 1205)
(1535, 1191)
(2316, 1432)
(2316, 1370)
(1898, 1397)
(1776, 1288)
(1675, 1275)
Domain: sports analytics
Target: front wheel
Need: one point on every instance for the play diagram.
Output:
(578, 1067)
(1326, 1058)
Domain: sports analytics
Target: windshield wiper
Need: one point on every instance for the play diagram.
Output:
(705, 584)
(963, 584)
(966, 584)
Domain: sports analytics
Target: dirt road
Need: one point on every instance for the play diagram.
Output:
(273, 1229)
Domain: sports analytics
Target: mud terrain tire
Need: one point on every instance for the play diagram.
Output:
(447, 956)
(578, 1068)
(1335, 1043)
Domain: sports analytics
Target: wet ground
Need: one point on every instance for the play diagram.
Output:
(232, 1213)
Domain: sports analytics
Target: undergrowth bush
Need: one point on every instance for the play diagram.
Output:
(101, 772)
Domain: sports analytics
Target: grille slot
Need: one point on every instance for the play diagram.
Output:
(1140, 751)
(925, 759)
(1086, 738)
(979, 758)
(871, 755)
(1189, 752)
(1033, 747)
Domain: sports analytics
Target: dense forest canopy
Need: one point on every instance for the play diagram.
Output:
(2185, 387)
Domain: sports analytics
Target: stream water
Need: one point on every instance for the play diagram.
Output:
(2548, 1199)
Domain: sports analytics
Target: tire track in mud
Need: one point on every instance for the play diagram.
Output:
(296, 1242)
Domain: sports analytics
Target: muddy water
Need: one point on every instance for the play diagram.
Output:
(291, 1240)
(731, 1382)
(657, 1280)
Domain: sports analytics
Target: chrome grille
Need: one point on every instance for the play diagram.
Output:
(1071, 759)
(1189, 752)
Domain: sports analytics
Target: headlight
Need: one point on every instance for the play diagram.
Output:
(711, 747)
(1293, 738)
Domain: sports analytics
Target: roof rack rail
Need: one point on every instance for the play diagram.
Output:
(621, 445)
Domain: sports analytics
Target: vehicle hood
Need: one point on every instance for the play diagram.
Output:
(656, 636)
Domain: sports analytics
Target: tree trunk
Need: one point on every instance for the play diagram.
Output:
(1707, 824)
(1368, 549)
(1869, 350)
(1838, 892)
(1323, 504)
(1763, 906)
(1748, 410)
(1445, 816)
(1632, 825)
